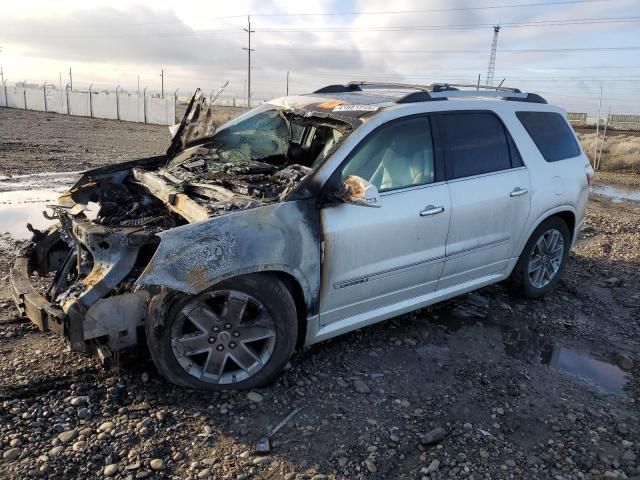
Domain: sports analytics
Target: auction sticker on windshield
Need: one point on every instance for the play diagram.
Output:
(355, 108)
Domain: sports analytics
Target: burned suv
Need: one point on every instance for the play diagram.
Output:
(243, 243)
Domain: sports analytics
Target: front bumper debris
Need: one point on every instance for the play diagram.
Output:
(31, 304)
(89, 312)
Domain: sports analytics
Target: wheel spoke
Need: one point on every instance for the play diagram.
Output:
(255, 332)
(538, 277)
(193, 344)
(553, 240)
(244, 357)
(234, 308)
(535, 264)
(215, 364)
(203, 317)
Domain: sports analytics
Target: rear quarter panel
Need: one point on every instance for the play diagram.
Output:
(556, 186)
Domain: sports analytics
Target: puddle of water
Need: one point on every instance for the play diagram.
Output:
(17, 208)
(617, 194)
(603, 375)
(40, 174)
(44, 180)
(528, 345)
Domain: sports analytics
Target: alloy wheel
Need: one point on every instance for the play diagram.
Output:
(546, 258)
(223, 336)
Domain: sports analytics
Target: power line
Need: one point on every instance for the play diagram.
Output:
(353, 13)
(405, 28)
(532, 23)
(432, 10)
(523, 50)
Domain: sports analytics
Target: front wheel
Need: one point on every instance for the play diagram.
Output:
(237, 335)
(543, 259)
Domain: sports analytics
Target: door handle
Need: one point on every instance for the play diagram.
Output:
(431, 210)
(516, 192)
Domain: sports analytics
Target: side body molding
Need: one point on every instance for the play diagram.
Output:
(282, 237)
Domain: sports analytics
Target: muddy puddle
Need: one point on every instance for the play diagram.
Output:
(19, 207)
(527, 344)
(617, 194)
(38, 181)
(23, 198)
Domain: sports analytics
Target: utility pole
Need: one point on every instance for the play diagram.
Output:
(287, 83)
(249, 50)
(61, 100)
(1, 76)
(595, 148)
(162, 83)
(492, 58)
(70, 80)
(244, 93)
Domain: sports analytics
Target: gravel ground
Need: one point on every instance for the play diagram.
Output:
(485, 386)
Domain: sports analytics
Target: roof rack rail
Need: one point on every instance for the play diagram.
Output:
(438, 91)
(339, 89)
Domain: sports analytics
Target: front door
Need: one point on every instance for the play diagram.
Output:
(375, 260)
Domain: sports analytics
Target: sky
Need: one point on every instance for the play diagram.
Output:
(564, 50)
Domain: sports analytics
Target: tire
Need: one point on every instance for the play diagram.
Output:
(534, 284)
(236, 335)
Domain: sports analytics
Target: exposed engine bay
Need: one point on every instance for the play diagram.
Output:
(250, 162)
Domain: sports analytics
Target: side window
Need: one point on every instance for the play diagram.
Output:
(551, 134)
(473, 143)
(395, 156)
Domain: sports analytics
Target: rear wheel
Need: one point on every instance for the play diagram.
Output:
(236, 335)
(543, 258)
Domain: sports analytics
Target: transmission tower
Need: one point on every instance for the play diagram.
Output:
(492, 58)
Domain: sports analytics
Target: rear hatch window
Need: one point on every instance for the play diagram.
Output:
(551, 134)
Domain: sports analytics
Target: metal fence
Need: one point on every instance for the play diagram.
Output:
(624, 122)
(577, 119)
(614, 120)
(116, 105)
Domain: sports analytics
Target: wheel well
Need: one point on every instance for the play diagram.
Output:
(568, 218)
(298, 297)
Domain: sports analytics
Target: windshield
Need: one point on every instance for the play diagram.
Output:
(268, 134)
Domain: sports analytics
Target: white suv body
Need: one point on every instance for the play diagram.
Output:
(380, 263)
(305, 218)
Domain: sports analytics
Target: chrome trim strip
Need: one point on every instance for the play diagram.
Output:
(470, 249)
(366, 278)
(373, 276)
(488, 174)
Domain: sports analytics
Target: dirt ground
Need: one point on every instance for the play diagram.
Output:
(487, 386)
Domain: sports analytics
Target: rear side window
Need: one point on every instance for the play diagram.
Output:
(551, 134)
(473, 143)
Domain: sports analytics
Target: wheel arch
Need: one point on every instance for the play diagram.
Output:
(566, 213)
(302, 307)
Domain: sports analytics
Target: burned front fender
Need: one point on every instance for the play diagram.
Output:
(282, 237)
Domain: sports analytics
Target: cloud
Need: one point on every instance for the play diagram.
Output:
(115, 41)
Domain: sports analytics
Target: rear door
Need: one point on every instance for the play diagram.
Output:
(490, 194)
(378, 259)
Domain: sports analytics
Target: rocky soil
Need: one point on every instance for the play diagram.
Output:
(485, 386)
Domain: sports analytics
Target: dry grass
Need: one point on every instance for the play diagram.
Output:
(619, 152)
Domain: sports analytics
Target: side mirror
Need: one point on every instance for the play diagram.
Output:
(357, 191)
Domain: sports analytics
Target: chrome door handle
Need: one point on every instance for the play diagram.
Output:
(516, 192)
(431, 210)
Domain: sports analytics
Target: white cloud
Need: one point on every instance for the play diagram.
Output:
(110, 43)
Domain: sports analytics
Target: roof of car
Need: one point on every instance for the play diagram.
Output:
(357, 101)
